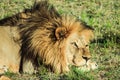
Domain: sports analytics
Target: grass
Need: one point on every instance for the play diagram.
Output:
(103, 16)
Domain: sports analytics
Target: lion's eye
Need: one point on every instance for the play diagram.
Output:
(74, 44)
(86, 45)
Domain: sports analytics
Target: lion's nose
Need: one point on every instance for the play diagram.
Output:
(86, 58)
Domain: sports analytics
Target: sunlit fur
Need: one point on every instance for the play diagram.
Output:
(47, 37)
(9, 50)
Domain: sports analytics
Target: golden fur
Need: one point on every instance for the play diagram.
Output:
(9, 51)
(45, 36)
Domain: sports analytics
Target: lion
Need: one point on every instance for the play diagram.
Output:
(42, 35)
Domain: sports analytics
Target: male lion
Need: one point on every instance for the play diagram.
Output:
(41, 34)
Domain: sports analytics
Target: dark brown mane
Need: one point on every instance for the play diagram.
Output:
(43, 17)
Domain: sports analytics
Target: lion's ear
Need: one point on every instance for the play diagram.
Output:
(61, 33)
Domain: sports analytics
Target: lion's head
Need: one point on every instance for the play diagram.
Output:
(77, 36)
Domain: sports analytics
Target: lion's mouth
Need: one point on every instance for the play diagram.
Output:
(88, 66)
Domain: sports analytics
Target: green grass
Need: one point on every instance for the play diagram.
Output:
(103, 16)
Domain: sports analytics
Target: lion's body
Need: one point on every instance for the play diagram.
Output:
(9, 50)
(42, 34)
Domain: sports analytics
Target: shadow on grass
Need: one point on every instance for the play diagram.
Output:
(111, 36)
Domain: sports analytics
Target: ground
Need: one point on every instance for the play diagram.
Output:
(103, 16)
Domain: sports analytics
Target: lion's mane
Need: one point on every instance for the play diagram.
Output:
(44, 35)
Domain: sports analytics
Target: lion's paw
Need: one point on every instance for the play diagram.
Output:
(4, 78)
(28, 67)
(3, 69)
